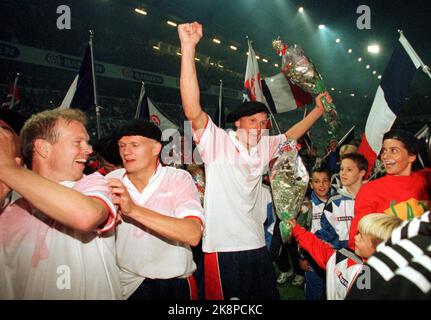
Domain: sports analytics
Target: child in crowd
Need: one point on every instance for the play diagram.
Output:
(339, 210)
(314, 275)
(343, 266)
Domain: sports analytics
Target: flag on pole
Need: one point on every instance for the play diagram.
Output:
(389, 99)
(252, 82)
(346, 139)
(219, 117)
(282, 95)
(146, 110)
(81, 93)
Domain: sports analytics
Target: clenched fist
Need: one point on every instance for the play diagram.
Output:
(190, 33)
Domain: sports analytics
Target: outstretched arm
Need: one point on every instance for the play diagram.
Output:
(190, 34)
(318, 249)
(300, 128)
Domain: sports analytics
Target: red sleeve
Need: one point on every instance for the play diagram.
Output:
(318, 249)
(363, 206)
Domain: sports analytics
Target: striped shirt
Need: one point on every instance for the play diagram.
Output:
(401, 267)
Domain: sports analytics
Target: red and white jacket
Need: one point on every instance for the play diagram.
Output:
(342, 266)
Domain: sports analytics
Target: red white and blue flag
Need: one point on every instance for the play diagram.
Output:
(282, 95)
(277, 92)
(389, 99)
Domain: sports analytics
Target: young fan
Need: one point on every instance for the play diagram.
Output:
(343, 266)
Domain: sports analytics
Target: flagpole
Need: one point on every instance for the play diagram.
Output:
(141, 96)
(308, 132)
(419, 135)
(94, 85)
(345, 136)
(15, 86)
(339, 142)
(409, 48)
(220, 102)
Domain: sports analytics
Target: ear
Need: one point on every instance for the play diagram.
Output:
(157, 148)
(18, 161)
(412, 158)
(363, 173)
(237, 124)
(42, 148)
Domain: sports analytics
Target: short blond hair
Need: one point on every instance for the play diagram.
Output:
(43, 125)
(346, 149)
(379, 226)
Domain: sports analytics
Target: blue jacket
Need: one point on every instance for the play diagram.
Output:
(336, 219)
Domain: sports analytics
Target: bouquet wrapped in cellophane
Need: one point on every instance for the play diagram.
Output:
(289, 179)
(302, 72)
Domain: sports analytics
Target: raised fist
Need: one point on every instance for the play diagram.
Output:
(190, 33)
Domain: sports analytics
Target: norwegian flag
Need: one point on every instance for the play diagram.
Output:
(252, 82)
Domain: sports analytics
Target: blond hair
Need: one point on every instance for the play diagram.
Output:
(379, 226)
(43, 125)
(346, 149)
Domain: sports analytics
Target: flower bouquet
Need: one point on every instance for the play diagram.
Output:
(289, 180)
(302, 72)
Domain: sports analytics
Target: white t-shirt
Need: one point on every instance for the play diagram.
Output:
(142, 254)
(233, 208)
(43, 259)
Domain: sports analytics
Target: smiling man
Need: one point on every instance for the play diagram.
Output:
(237, 264)
(55, 241)
(162, 218)
(403, 192)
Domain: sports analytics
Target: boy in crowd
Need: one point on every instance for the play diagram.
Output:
(400, 269)
(314, 275)
(343, 266)
(339, 210)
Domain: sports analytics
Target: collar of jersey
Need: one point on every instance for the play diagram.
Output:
(149, 188)
(241, 148)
